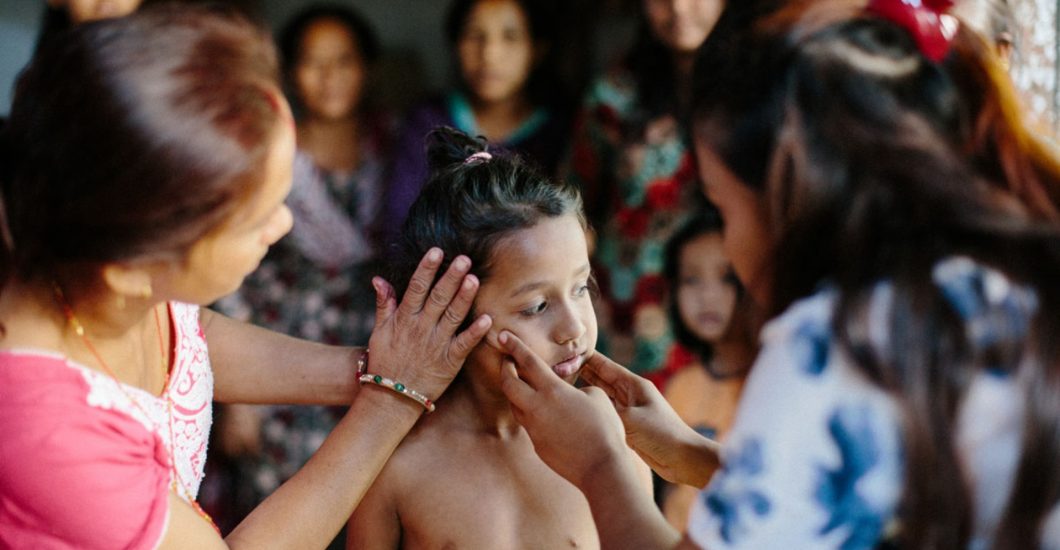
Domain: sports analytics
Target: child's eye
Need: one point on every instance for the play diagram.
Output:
(534, 309)
(582, 290)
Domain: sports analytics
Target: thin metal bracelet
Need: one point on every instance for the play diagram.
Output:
(392, 385)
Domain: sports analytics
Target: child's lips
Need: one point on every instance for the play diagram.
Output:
(568, 367)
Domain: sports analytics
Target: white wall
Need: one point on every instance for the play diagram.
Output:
(19, 21)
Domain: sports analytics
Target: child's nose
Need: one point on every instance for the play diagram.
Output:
(570, 326)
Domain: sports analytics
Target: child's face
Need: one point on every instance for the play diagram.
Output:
(330, 72)
(496, 50)
(706, 294)
(539, 290)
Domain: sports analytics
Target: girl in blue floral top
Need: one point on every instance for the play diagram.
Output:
(884, 199)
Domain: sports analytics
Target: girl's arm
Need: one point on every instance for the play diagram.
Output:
(256, 365)
(415, 343)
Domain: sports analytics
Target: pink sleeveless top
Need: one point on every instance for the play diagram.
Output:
(81, 466)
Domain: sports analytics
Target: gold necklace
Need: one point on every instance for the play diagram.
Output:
(175, 478)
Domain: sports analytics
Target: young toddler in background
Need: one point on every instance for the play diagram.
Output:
(467, 476)
(712, 325)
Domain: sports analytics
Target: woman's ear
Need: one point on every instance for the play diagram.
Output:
(128, 280)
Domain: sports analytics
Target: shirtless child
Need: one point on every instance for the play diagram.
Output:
(467, 475)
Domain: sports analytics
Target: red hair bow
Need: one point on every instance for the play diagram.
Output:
(926, 20)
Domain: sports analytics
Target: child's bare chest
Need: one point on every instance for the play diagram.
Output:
(495, 498)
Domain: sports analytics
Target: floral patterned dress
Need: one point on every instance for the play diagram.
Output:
(638, 179)
(814, 459)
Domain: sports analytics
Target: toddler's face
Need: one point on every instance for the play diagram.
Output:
(706, 290)
(538, 289)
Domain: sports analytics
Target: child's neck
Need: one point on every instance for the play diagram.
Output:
(484, 408)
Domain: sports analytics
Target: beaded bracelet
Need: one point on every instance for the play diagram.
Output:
(392, 385)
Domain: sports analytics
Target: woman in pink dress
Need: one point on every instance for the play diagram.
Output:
(123, 213)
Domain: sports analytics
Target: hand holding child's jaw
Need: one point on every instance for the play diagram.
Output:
(653, 429)
(416, 342)
(574, 431)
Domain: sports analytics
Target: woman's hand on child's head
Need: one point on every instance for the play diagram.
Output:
(574, 431)
(652, 427)
(416, 343)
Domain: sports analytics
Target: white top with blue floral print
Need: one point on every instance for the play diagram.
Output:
(814, 457)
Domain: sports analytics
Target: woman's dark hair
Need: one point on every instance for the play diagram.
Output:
(706, 221)
(540, 14)
(875, 163)
(135, 136)
(469, 204)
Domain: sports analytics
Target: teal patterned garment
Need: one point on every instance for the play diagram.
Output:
(813, 459)
(639, 182)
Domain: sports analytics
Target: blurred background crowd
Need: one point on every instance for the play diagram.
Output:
(594, 91)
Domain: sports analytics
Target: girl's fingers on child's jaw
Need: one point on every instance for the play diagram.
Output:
(530, 366)
(514, 388)
(493, 340)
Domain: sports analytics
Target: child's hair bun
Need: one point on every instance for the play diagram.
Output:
(448, 146)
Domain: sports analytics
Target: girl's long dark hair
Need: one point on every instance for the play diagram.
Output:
(875, 164)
